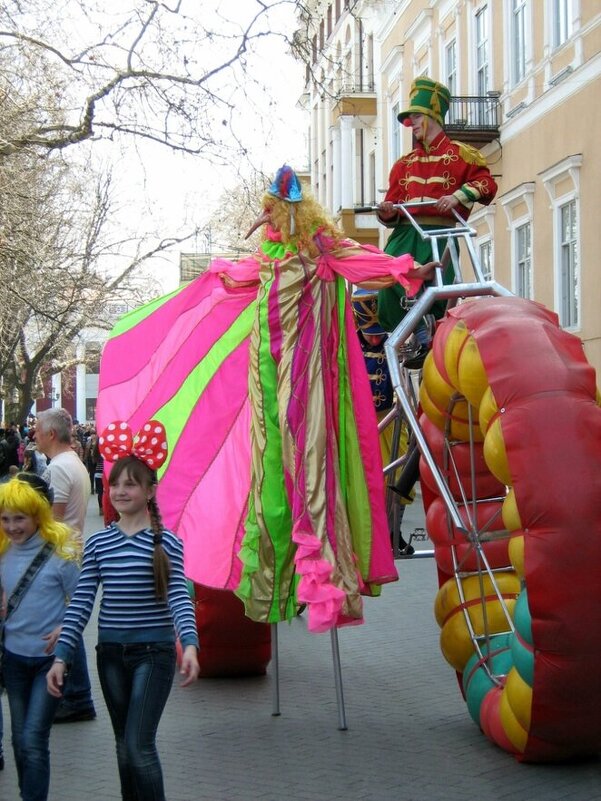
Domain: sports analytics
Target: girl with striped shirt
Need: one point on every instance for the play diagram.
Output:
(144, 602)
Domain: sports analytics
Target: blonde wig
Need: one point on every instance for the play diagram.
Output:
(19, 496)
(305, 218)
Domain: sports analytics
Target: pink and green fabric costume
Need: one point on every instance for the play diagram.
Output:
(274, 478)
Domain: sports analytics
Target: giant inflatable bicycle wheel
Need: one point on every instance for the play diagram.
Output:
(512, 419)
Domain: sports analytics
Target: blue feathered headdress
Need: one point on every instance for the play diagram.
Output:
(286, 185)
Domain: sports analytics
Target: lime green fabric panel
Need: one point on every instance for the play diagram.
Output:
(135, 317)
(174, 414)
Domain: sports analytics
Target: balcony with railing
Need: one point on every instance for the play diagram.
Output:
(474, 120)
(356, 100)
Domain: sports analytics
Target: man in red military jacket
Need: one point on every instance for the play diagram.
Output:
(451, 173)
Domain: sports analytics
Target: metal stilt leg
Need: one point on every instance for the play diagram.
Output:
(338, 681)
(275, 709)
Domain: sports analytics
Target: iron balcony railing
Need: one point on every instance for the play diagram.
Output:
(483, 113)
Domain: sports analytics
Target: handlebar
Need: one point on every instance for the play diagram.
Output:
(461, 230)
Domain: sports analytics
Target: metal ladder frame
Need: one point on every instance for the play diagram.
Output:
(459, 290)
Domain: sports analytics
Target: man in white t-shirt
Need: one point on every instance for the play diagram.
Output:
(70, 483)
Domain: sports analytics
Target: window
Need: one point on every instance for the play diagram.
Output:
(450, 54)
(371, 83)
(348, 69)
(191, 265)
(562, 182)
(562, 21)
(371, 179)
(483, 221)
(91, 409)
(523, 261)
(395, 137)
(518, 205)
(93, 352)
(482, 66)
(116, 309)
(569, 312)
(485, 252)
(518, 40)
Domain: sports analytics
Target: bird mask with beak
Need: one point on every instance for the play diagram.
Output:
(281, 197)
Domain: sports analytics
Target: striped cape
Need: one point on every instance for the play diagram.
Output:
(274, 477)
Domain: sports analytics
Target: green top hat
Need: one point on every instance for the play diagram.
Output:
(427, 97)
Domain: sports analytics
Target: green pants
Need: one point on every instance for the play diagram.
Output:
(405, 239)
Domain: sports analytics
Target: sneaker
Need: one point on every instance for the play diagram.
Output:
(416, 361)
(406, 552)
(75, 715)
(405, 500)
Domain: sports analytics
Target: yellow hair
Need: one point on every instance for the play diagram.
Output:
(309, 216)
(18, 496)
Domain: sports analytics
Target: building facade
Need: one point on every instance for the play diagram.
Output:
(524, 75)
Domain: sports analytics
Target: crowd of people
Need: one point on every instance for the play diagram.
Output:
(51, 464)
(19, 451)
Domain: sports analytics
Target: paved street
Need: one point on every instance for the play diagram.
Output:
(409, 735)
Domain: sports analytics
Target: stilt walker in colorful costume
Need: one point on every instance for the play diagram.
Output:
(275, 479)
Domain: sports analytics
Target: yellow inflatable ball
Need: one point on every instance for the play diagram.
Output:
(516, 733)
(481, 605)
(516, 554)
(454, 344)
(487, 410)
(471, 373)
(439, 390)
(495, 454)
(453, 419)
(510, 512)
(519, 697)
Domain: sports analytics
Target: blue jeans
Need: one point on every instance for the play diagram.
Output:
(78, 691)
(136, 681)
(32, 711)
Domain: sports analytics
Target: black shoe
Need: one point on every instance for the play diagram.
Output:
(416, 362)
(404, 499)
(406, 552)
(75, 715)
(1, 761)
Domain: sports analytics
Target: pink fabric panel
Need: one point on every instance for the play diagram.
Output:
(382, 563)
(370, 263)
(184, 340)
(215, 510)
(243, 270)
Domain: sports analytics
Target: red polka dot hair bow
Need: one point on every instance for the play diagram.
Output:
(149, 444)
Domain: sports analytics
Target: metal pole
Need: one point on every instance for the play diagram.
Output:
(275, 701)
(338, 681)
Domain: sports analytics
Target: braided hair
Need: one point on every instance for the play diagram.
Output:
(139, 472)
(160, 561)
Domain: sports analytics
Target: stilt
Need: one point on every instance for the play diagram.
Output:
(275, 709)
(338, 681)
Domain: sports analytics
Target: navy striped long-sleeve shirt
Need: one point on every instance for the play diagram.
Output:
(129, 610)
